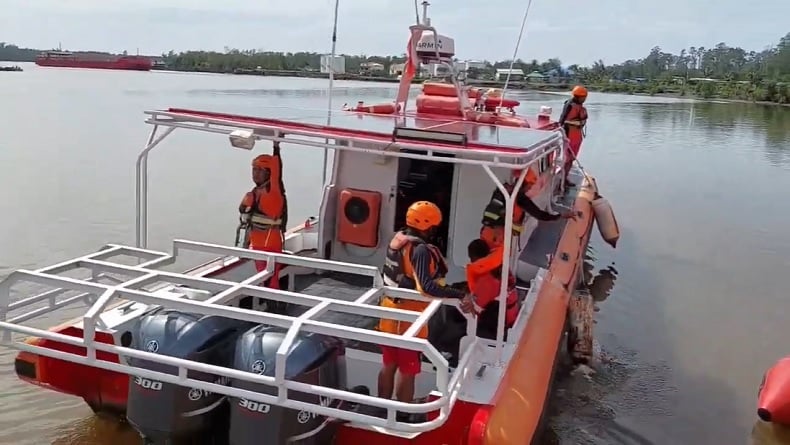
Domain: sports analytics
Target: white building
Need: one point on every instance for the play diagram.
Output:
(466, 65)
(371, 67)
(515, 74)
(339, 65)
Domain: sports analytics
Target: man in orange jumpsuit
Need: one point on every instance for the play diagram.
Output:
(573, 120)
(264, 209)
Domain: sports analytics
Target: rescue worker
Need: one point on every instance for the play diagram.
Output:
(484, 277)
(412, 262)
(264, 210)
(574, 120)
(493, 230)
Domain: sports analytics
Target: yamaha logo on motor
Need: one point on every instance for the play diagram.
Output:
(152, 347)
(259, 367)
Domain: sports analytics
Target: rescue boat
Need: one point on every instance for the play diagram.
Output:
(209, 352)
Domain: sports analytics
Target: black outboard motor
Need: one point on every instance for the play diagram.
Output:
(313, 359)
(165, 413)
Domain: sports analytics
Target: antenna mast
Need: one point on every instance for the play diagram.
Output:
(331, 84)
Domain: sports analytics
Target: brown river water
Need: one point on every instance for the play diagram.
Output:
(692, 305)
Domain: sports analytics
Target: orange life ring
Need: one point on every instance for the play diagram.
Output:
(359, 213)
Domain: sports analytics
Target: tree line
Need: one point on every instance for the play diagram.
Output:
(722, 71)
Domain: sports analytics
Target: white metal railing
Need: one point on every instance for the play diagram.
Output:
(146, 274)
(512, 157)
(519, 158)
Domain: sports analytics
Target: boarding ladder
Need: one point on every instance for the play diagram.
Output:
(147, 287)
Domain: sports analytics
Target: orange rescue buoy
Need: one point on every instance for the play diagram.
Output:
(493, 102)
(388, 108)
(773, 399)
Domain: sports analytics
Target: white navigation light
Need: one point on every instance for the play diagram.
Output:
(244, 139)
(426, 46)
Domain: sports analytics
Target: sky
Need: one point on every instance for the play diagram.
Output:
(575, 31)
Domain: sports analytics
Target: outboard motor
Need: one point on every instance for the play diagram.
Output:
(313, 359)
(164, 413)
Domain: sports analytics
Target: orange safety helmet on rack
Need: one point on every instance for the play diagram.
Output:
(422, 215)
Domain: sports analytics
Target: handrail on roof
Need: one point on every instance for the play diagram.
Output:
(275, 129)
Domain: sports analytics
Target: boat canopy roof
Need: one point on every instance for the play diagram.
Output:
(468, 142)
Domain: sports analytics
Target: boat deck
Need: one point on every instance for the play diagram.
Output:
(447, 326)
(543, 241)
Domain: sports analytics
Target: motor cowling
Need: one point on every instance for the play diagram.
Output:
(166, 413)
(313, 359)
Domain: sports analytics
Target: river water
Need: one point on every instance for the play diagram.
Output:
(692, 304)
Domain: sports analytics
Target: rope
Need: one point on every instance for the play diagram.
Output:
(515, 53)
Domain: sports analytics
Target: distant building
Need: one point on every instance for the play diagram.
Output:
(466, 65)
(536, 77)
(396, 69)
(515, 74)
(339, 64)
(371, 67)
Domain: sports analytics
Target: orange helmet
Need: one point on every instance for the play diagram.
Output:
(263, 161)
(579, 91)
(422, 215)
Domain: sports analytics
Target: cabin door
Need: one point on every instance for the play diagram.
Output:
(423, 180)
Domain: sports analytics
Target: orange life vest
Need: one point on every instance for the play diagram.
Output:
(494, 213)
(484, 285)
(576, 118)
(266, 204)
(397, 266)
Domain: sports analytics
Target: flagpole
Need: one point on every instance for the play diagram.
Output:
(331, 83)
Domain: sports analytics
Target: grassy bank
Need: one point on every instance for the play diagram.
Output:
(735, 92)
(517, 85)
(765, 92)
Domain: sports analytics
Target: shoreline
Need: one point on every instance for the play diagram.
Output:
(547, 88)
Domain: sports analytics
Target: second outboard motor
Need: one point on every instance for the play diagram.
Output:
(313, 359)
(165, 413)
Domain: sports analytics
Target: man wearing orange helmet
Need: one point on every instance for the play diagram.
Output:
(411, 263)
(264, 209)
(574, 120)
(493, 230)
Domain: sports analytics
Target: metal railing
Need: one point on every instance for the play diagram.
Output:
(146, 274)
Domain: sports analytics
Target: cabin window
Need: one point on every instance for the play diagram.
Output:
(424, 180)
(474, 189)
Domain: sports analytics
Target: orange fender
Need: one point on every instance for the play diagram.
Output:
(773, 401)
